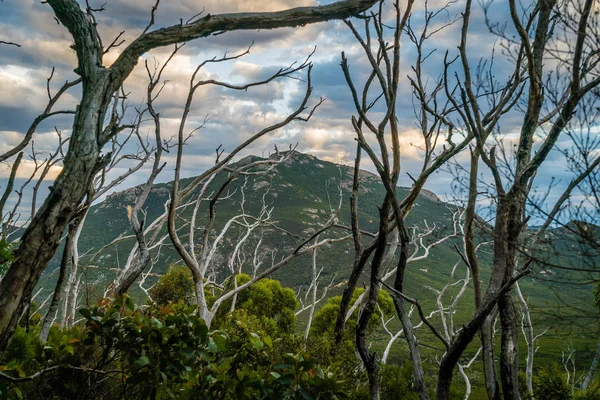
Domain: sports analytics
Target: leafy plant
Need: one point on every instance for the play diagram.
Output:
(174, 286)
(6, 256)
(550, 383)
(126, 352)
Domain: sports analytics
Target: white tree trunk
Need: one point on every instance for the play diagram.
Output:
(590, 375)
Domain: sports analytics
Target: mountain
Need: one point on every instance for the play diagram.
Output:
(300, 191)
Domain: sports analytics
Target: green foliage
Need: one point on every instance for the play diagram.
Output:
(174, 286)
(6, 255)
(324, 320)
(267, 306)
(397, 383)
(592, 393)
(125, 352)
(342, 358)
(21, 350)
(597, 296)
(267, 301)
(550, 383)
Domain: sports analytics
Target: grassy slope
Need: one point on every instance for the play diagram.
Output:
(298, 191)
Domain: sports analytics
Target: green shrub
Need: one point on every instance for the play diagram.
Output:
(397, 383)
(174, 286)
(268, 301)
(342, 358)
(592, 393)
(125, 352)
(6, 255)
(266, 305)
(550, 383)
(325, 318)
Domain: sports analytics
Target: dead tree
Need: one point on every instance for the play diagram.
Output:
(201, 260)
(594, 365)
(546, 106)
(141, 256)
(70, 260)
(529, 336)
(438, 146)
(312, 290)
(92, 130)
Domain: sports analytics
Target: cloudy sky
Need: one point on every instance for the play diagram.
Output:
(234, 115)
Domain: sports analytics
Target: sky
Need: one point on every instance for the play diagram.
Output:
(234, 115)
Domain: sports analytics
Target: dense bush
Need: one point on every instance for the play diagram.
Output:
(550, 382)
(6, 255)
(324, 320)
(266, 306)
(125, 353)
(174, 286)
(163, 350)
(267, 301)
(592, 393)
(342, 358)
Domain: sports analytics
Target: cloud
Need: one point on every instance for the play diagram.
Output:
(236, 115)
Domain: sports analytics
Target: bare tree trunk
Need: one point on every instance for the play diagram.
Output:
(57, 295)
(592, 371)
(41, 238)
(369, 359)
(411, 339)
(509, 357)
(203, 310)
(489, 361)
(458, 346)
(315, 278)
(529, 338)
(71, 287)
(486, 332)
(508, 237)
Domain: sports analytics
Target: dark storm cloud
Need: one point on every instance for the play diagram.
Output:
(19, 119)
(15, 118)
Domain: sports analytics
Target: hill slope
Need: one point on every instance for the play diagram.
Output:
(300, 191)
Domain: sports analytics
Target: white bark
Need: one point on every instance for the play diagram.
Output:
(590, 375)
(527, 328)
(70, 295)
(315, 279)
